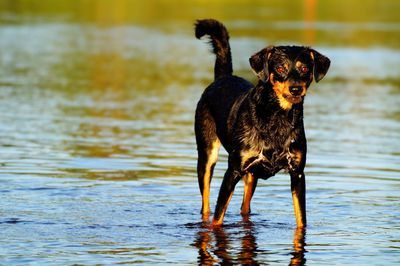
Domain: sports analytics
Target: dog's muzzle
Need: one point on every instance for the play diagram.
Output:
(296, 90)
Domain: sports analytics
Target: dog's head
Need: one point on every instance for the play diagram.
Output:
(290, 70)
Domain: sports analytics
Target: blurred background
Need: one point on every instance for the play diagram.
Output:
(97, 147)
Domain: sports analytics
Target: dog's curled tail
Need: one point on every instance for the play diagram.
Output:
(219, 39)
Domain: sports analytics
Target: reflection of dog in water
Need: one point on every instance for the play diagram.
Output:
(216, 247)
(260, 127)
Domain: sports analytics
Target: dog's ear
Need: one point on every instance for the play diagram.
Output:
(321, 64)
(259, 63)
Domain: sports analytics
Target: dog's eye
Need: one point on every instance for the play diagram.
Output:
(304, 69)
(280, 69)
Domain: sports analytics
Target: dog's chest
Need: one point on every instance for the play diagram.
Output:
(265, 157)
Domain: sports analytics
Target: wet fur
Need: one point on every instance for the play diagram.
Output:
(260, 127)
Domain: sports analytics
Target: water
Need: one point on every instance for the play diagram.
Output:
(97, 146)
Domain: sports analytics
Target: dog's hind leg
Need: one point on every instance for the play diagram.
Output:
(208, 146)
(205, 167)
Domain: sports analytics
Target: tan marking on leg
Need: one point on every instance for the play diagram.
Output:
(212, 159)
(248, 193)
(296, 205)
(297, 210)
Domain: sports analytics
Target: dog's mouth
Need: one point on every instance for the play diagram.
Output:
(295, 99)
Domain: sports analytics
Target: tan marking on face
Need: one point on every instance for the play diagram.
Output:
(281, 89)
(299, 64)
(286, 66)
(285, 98)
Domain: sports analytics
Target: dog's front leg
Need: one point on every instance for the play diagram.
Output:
(298, 187)
(231, 178)
(250, 183)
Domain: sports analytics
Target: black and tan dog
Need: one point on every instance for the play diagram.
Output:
(260, 127)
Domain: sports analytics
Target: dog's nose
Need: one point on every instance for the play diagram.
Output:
(295, 90)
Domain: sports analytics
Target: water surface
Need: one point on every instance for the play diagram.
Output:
(97, 145)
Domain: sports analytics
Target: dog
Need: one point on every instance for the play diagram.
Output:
(261, 127)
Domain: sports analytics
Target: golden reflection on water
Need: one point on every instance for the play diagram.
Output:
(214, 246)
(298, 247)
(350, 23)
(310, 18)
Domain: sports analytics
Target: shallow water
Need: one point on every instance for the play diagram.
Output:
(97, 146)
